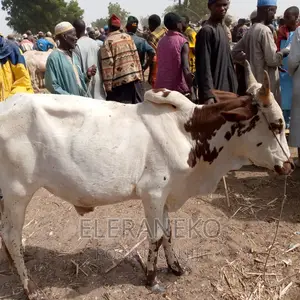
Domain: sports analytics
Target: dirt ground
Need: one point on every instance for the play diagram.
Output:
(224, 257)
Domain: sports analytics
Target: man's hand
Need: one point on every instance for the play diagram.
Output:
(285, 52)
(189, 79)
(209, 101)
(91, 71)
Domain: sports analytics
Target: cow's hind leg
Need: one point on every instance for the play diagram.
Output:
(172, 261)
(13, 216)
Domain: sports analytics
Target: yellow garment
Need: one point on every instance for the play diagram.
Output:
(191, 34)
(14, 78)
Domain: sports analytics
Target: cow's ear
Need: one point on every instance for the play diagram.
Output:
(237, 114)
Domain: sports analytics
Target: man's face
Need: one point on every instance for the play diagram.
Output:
(290, 19)
(271, 12)
(71, 38)
(219, 9)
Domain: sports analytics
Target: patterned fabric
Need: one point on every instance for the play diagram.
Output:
(153, 39)
(120, 62)
(191, 34)
(155, 36)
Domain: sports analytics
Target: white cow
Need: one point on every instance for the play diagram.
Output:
(36, 64)
(162, 151)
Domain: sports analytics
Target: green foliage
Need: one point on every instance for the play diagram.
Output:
(113, 8)
(194, 9)
(39, 15)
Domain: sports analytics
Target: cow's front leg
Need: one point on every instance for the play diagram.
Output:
(172, 261)
(12, 220)
(153, 207)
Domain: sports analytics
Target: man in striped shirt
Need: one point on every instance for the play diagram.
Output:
(120, 64)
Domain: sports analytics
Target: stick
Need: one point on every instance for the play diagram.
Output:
(226, 191)
(277, 227)
(128, 253)
(284, 291)
(78, 268)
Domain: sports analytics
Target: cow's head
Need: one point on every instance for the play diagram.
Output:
(251, 128)
(265, 145)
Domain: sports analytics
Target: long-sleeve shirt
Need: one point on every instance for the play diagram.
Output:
(64, 76)
(261, 51)
(120, 61)
(14, 76)
(214, 64)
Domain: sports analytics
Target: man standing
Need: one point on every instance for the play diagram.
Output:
(121, 67)
(191, 34)
(141, 44)
(26, 45)
(156, 33)
(87, 51)
(173, 58)
(285, 37)
(214, 64)
(42, 44)
(259, 48)
(63, 73)
(14, 76)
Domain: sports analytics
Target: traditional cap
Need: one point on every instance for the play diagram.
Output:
(49, 34)
(25, 36)
(133, 21)
(253, 15)
(266, 3)
(105, 27)
(115, 21)
(63, 27)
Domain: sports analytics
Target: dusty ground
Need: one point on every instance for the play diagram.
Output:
(222, 265)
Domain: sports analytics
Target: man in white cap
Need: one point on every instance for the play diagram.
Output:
(259, 47)
(63, 73)
(25, 44)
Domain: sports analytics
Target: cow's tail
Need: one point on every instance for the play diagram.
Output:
(164, 96)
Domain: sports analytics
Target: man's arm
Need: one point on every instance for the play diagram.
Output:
(107, 66)
(238, 51)
(150, 53)
(185, 65)
(22, 81)
(272, 57)
(203, 69)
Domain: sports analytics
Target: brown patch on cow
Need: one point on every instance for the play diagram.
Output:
(277, 127)
(166, 94)
(158, 90)
(228, 136)
(259, 144)
(206, 121)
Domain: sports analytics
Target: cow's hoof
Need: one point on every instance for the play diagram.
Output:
(157, 289)
(176, 269)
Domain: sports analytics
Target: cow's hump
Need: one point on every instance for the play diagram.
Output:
(164, 96)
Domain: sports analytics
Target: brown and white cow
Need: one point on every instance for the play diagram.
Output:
(162, 151)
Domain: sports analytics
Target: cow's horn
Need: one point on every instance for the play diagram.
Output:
(264, 91)
(250, 79)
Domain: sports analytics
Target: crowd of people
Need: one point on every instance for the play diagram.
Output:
(111, 63)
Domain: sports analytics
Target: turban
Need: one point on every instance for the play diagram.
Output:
(115, 21)
(266, 3)
(63, 27)
(133, 21)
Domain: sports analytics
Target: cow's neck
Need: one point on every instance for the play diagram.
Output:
(215, 146)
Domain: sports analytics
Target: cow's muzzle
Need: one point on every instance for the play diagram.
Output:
(287, 168)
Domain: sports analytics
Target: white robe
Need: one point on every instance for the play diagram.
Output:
(87, 51)
(294, 71)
